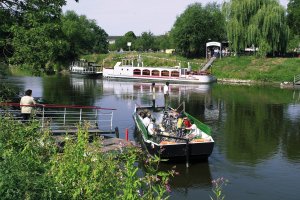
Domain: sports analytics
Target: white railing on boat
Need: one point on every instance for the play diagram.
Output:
(297, 79)
(64, 117)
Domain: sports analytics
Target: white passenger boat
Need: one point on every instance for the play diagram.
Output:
(128, 69)
(83, 67)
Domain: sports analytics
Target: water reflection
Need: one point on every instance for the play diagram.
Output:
(71, 90)
(197, 175)
(256, 130)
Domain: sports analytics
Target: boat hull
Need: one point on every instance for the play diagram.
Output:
(196, 151)
(157, 74)
(83, 74)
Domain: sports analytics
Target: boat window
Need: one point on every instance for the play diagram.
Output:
(175, 74)
(164, 73)
(146, 72)
(136, 72)
(155, 73)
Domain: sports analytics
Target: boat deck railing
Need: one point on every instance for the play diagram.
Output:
(297, 79)
(64, 118)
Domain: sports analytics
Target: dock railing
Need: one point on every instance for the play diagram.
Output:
(64, 117)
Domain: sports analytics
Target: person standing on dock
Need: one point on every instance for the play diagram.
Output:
(166, 94)
(26, 105)
(153, 95)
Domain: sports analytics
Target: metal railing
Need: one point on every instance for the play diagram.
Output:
(64, 117)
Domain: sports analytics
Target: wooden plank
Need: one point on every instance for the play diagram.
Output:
(111, 148)
(72, 131)
(111, 141)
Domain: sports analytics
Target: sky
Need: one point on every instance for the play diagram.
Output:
(117, 17)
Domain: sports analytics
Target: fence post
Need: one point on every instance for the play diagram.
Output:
(65, 112)
(80, 116)
(43, 117)
(112, 114)
(126, 134)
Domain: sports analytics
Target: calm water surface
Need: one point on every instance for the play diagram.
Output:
(256, 130)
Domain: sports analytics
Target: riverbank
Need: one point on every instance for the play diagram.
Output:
(249, 69)
(238, 70)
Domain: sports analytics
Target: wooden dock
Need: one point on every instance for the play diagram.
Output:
(94, 131)
(62, 121)
(108, 144)
(115, 144)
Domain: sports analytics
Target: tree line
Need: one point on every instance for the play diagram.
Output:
(37, 34)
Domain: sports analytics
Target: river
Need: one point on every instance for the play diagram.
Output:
(256, 130)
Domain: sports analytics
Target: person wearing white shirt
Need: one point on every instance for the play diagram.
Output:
(194, 131)
(146, 120)
(166, 94)
(151, 127)
(26, 105)
(153, 95)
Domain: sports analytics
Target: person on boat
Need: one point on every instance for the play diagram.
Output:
(179, 125)
(151, 128)
(153, 95)
(179, 121)
(195, 132)
(166, 94)
(147, 120)
(26, 104)
(186, 122)
(142, 114)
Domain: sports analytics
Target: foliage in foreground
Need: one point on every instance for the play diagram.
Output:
(32, 168)
(218, 185)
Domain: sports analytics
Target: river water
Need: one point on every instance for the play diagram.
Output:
(256, 130)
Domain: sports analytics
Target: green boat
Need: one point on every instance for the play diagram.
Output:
(170, 142)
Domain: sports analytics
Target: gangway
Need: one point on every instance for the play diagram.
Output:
(208, 64)
(66, 118)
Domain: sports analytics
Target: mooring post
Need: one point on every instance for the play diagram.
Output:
(117, 132)
(187, 153)
(126, 134)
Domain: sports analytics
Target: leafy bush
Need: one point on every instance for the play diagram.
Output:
(25, 155)
(32, 168)
(7, 92)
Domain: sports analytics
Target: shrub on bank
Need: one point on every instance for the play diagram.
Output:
(31, 167)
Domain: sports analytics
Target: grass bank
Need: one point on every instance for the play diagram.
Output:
(257, 69)
(241, 68)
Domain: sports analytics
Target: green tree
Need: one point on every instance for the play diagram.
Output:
(164, 42)
(261, 23)
(293, 17)
(145, 42)
(121, 43)
(195, 27)
(83, 36)
(37, 35)
(7, 20)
